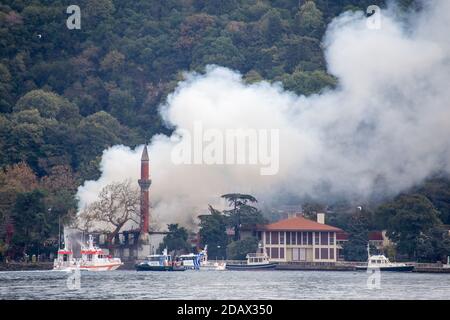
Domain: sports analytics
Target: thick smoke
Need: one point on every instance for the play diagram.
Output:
(384, 128)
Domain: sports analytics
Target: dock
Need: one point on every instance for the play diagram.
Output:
(317, 266)
(351, 266)
(26, 266)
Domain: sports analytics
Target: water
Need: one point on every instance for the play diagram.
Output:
(223, 285)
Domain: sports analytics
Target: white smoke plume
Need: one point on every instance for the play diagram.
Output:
(384, 128)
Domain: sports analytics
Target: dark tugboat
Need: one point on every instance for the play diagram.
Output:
(160, 262)
(255, 261)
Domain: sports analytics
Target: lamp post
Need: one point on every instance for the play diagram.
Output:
(218, 247)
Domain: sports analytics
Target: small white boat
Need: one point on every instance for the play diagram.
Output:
(447, 265)
(200, 261)
(160, 262)
(214, 266)
(383, 264)
(92, 259)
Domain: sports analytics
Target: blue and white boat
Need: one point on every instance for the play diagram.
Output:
(200, 261)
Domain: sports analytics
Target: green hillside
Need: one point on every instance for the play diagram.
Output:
(66, 95)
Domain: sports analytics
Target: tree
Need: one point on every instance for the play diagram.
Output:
(14, 180)
(98, 10)
(434, 245)
(6, 97)
(242, 213)
(407, 218)
(219, 51)
(176, 240)
(118, 204)
(272, 25)
(309, 21)
(437, 190)
(48, 104)
(311, 209)
(33, 223)
(113, 61)
(61, 186)
(213, 233)
(355, 249)
(237, 250)
(307, 83)
(121, 104)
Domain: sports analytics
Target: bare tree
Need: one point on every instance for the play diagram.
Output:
(117, 204)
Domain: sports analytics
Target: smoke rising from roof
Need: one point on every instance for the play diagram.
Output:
(384, 128)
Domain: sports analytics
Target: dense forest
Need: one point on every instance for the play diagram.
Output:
(66, 95)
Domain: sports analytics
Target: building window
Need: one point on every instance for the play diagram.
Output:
(305, 238)
(268, 252)
(332, 254)
(281, 253)
(294, 237)
(274, 236)
(316, 238)
(295, 254)
(302, 254)
(274, 253)
(288, 238)
(267, 237)
(282, 237)
(310, 236)
(324, 238)
(299, 238)
(316, 253)
(332, 238)
(324, 253)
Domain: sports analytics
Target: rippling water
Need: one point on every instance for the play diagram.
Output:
(223, 285)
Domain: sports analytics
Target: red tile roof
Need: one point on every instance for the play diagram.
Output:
(299, 224)
(341, 236)
(376, 236)
(373, 236)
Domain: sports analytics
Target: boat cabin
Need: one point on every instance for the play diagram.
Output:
(163, 259)
(92, 253)
(257, 258)
(65, 255)
(378, 260)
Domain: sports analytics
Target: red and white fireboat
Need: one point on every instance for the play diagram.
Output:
(92, 259)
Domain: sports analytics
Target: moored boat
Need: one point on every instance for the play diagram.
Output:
(255, 261)
(92, 259)
(382, 263)
(200, 261)
(160, 262)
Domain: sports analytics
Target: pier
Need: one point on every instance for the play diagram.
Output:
(351, 266)
(300, 266)
(26, 266)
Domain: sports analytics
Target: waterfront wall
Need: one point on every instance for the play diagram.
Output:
(318, 266)
(25, 266)
(351, 266)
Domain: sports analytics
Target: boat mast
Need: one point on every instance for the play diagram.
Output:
(59, 232)
(368, 250)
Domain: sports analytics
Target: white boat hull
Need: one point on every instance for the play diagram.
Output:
(105, 267)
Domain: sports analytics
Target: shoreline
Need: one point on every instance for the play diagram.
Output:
(351, 266)
(25, 266)
(129, 265)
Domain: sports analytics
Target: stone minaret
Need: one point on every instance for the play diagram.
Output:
(144, 183)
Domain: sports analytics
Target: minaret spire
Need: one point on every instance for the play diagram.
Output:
(144, 183)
